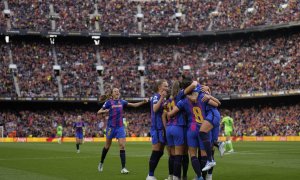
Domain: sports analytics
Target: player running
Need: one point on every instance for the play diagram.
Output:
(79, 125)
(228, 129)
(59, 132)
(115, 127)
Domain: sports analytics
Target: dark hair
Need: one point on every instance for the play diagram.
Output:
(158, 83)
(106, 96)
(227, 112)
(186, 81)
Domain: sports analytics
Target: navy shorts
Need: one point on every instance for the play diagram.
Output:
(79, 135)
(214, 118)
(175, 135)
(115, 132)
(157, 136)
(193, 137)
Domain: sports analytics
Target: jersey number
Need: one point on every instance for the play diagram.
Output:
(198, 115)
(171, 106)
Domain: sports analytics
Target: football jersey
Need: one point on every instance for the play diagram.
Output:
(115, 107)
(195, 110)
(178, 119)
(156, 117)
(228, 123)
(78, 126)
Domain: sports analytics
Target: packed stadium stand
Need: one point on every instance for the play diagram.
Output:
(230, 66)
(262, 120)
(156, 15)
(233, 64)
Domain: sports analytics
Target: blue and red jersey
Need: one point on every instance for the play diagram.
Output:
(115, 107)
(156, 117)
(195, 110)
(178, 119)
(210, 108)
(78, 126)
(198, 88)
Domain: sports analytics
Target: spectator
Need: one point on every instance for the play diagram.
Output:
(119, 16)
(260, 120)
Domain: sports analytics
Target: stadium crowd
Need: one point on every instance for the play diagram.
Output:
(120, 16)
(2, 18)
(243, 65)
(6, 81)
(258, 120)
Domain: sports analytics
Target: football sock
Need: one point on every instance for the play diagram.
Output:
(177, 166)
(230, 145)
(203, 163)
(155, 155)
(207, 145)
(196, 166)
(185, 165)
(123, 158)
(104, 152)
(216, 143)
(171, 164)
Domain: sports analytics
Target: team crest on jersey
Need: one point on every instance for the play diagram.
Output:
(155, 99)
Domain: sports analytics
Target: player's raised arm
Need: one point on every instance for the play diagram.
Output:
(145, 101)
(211, 100)
(105, 108)
(190, 88)
(176, 109)
(157, 105)
(102, 111)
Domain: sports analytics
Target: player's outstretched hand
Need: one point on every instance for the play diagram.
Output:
(146, 100)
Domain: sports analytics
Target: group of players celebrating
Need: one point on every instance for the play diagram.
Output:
(185, 119)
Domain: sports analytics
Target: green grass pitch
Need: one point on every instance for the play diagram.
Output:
(252, 160)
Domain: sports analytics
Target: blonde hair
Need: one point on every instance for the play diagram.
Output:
(158, 83)
(175, 88)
